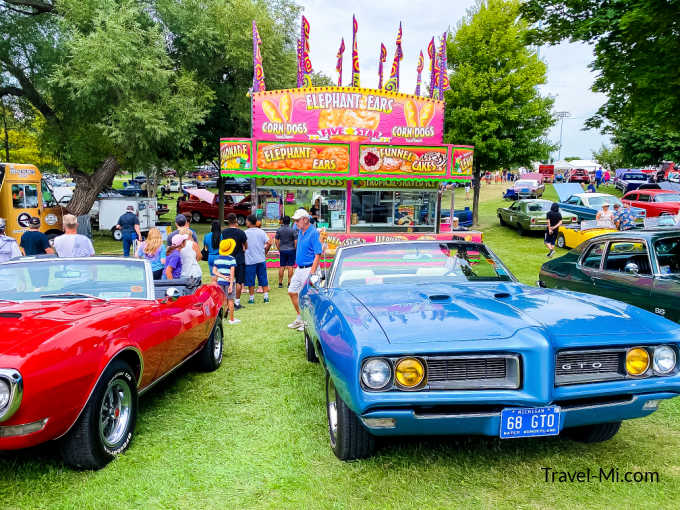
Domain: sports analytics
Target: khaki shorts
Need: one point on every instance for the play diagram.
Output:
(300, 277)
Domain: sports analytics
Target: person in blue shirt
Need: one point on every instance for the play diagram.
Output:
(128, 224)
(34, 242)
(211, 243)
(307, 256)
(154, 251)
(224, 270)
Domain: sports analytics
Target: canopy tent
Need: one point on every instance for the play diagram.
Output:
(586, 164)
(563, 165)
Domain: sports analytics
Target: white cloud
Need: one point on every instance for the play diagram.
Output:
(569, 78)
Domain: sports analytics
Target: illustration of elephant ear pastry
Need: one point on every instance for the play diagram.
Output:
(271, 111)
(286, 107)
(411, 113)
(426, 114)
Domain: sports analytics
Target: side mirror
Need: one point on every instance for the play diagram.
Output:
(631, 268)
(315, 280)
(172, 293)
(541, 283)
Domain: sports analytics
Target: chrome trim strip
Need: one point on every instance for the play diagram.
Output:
(16, 392)
(128, 348)
(454, 415)
(591, 406)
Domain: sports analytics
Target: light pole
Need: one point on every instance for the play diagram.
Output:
(562, 116)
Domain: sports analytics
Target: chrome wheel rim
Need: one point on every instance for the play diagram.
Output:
(115, 412)
(217, 344)
(332, 407)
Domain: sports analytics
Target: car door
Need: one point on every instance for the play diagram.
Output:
(665, 298)
(588, 267)
(513, 214)
(618, 279)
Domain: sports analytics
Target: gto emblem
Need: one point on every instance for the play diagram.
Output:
(569, 366)
(660, 311)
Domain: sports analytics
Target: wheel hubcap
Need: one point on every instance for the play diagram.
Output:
(114, 416)
(217, 344)
(332, 411)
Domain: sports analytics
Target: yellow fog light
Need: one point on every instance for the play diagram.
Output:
(409, 372)
(637, 361)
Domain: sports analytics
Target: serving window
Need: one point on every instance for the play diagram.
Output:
(327, 206)
(393, 210)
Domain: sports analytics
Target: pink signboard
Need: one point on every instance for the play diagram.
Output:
(347, 114)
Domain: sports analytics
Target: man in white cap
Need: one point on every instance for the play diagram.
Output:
(307, 257)
(9, 248)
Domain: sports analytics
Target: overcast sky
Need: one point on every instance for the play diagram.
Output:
(569, 78)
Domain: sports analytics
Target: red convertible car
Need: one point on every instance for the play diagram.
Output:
(655, 201)
(82, 338)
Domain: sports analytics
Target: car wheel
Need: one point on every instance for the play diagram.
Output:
(561, 242)
(349, 439)
(593, 433)
(137, 194)
(241, 220)
(209, 358)
(117, 234)
(106, 425)
(520, 230)
(502, 221)
(310, 354)
(196, 217)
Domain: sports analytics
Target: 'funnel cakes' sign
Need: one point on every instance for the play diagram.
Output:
(346, 114)
(403, 160)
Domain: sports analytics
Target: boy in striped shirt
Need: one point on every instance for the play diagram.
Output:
(224, 269)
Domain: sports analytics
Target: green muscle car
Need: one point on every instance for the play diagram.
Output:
(641, 268)
(530, 214)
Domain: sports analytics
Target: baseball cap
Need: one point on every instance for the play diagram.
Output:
(227, 246)
(178, 239)
(35, 221)
(130, 208)
(300, 213)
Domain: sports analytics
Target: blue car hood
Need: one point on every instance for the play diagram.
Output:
(468, 312)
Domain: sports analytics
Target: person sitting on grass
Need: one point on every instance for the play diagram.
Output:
(173, 260)
(224, 270)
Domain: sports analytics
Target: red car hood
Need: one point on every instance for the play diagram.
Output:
(24, 326)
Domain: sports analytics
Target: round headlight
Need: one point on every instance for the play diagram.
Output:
(5, 393)
(664, 359)
(409, 372)
(637, 361)
(376, 373)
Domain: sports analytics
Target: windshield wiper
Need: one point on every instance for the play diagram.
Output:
(74, 295)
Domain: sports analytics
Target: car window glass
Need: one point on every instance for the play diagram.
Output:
(574, 200)
(47, 196)
(514, 206)
(643, 198)
(668, 255)
(667, 197)
(622, 253)
(593, 256)
(24, 196)
(631, 197)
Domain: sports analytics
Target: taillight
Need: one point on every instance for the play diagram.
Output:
(533, 220)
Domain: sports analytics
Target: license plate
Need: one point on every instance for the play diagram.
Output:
(530, 422)
(525, 190)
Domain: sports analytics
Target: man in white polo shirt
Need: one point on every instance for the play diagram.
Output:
(307, 257)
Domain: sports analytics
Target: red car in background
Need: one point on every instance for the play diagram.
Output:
(579, 175)
(82, 338)
(655, 201)
(204, 205)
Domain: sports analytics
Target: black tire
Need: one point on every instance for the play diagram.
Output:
(520, 230)
(593, 433)
(349, 440)
(502, 221)
(196, 217)
(310, 354)
(85, 445)
(241, 220)
(561, 242)
(210, 356)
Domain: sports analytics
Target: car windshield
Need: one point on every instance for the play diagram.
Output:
(668, 255)
(525, 184)
(53, 278)
(542, 206)
(430, 262)
(635, 177)
(597, 202)
(667, 197)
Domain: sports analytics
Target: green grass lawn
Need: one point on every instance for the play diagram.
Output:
(253, 435)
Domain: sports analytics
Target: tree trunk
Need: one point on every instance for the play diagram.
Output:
(477, 182)
(88, 186)
(4, 122)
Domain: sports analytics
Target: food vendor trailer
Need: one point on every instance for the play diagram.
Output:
(368, 163)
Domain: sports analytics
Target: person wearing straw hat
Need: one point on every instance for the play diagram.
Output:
(224, 270)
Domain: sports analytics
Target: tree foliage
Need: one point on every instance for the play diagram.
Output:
(494, 103)
(610, 157)
(637, 62)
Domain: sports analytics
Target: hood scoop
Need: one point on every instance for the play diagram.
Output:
(10, 315)
(439, 298)
(501, 295)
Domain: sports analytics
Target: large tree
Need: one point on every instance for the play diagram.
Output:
(494, 102)
(637, 63)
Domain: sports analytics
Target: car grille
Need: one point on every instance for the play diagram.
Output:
(576, 367)
(473, 372)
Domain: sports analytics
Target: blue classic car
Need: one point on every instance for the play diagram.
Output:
(586, 205)
(434, 338)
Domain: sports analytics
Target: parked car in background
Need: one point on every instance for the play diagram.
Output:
(548, 172)
(432, 338)
(630, 181)
(528, 215)
(674, 177)
(171, 187)
(579, 175)
(529, 188)
(204, 205)
(239, 184)
(139, 179)
(655, 201)
(132, 189)
(83, 338)
(586, 205)
(641, 268)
